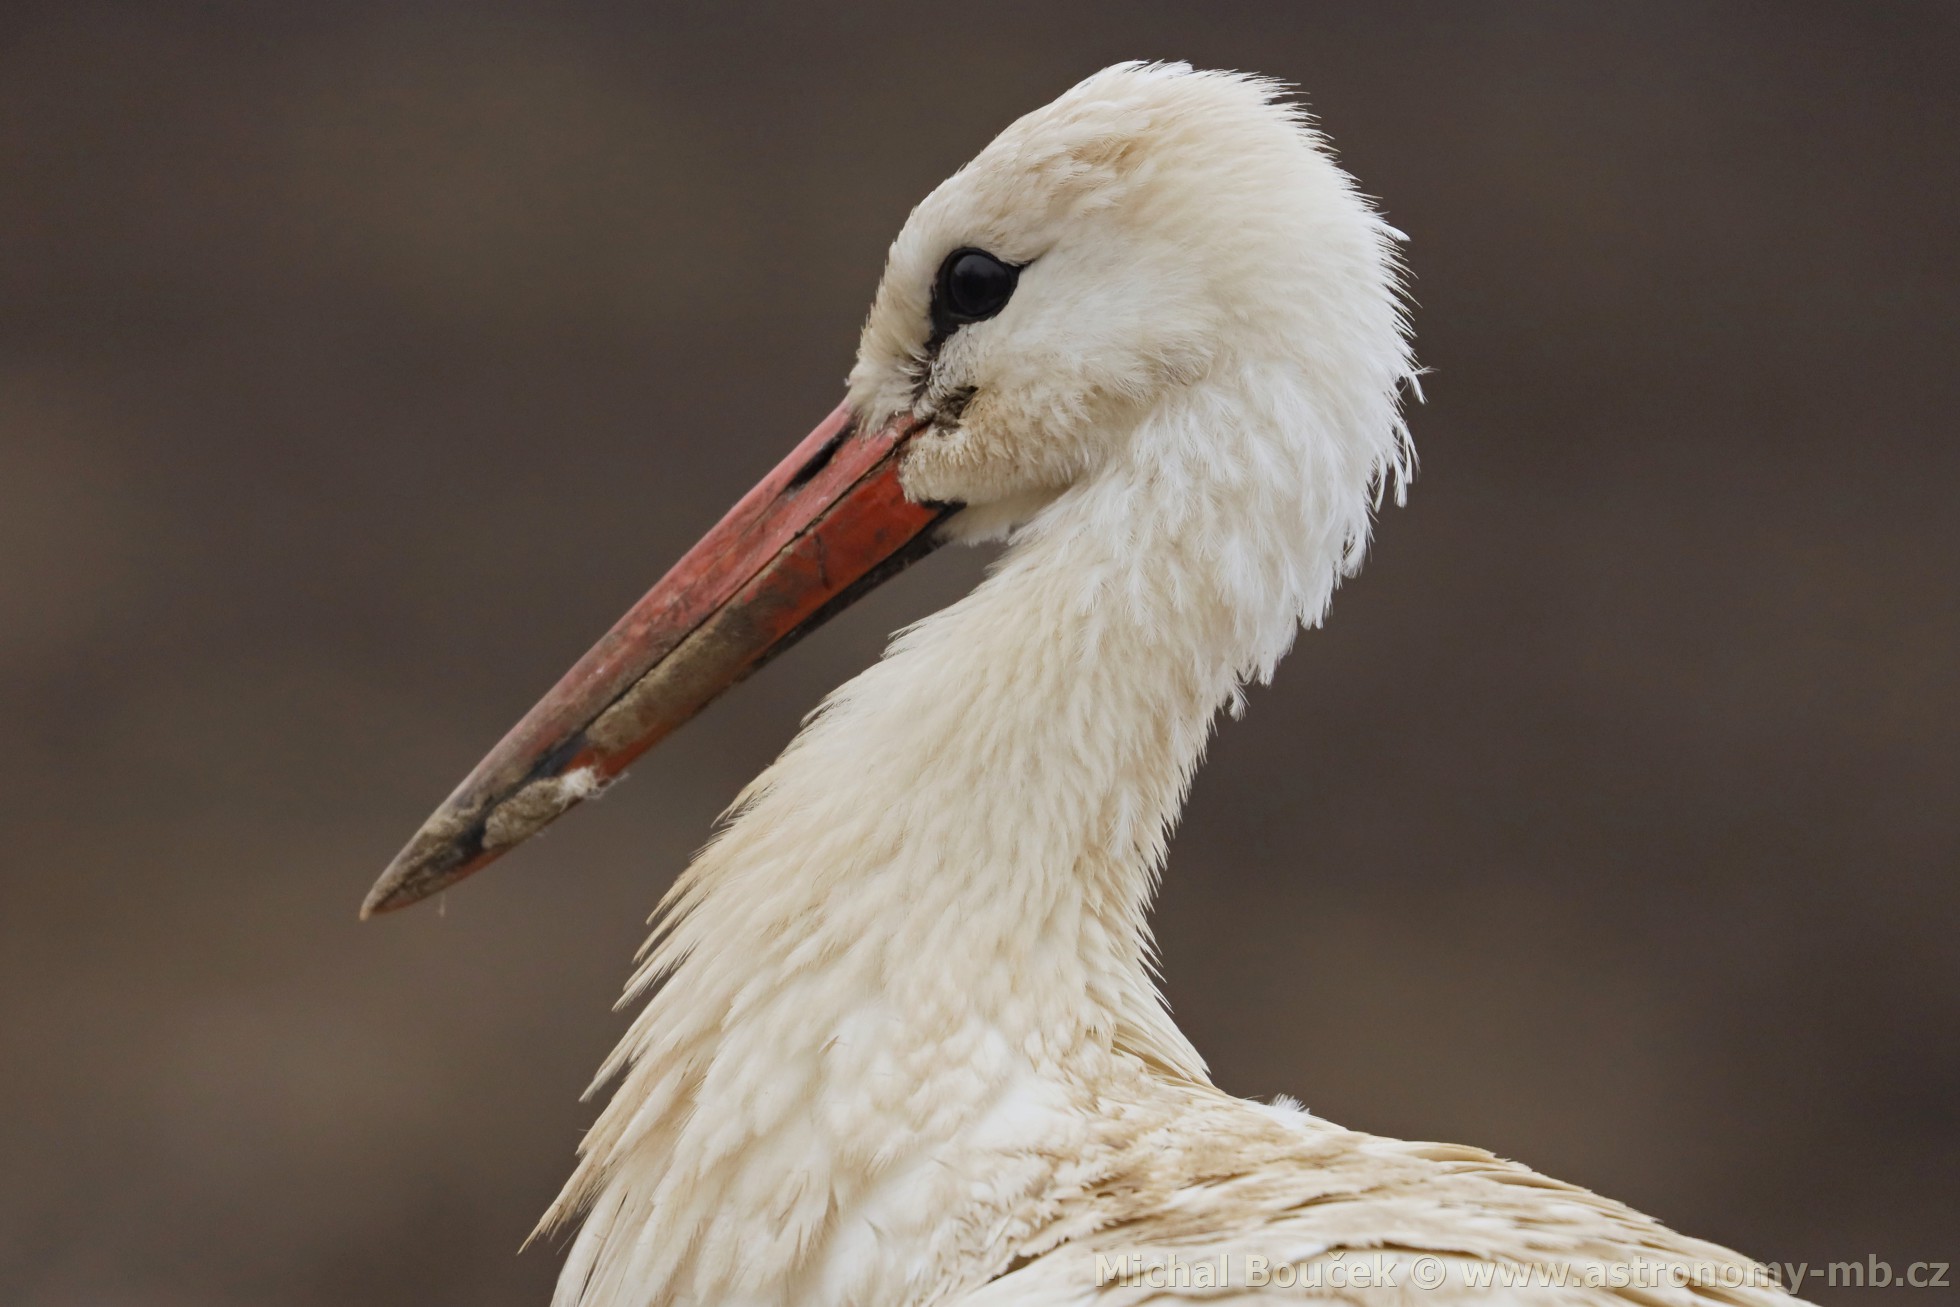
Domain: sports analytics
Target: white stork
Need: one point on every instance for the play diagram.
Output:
(900, 1041)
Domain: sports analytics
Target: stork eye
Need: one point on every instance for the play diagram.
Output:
(973, 286)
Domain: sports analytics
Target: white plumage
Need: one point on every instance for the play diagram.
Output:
(900, 1043)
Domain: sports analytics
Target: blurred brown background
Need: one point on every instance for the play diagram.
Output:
(360, 362)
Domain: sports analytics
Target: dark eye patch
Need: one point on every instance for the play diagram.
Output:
(972, 286)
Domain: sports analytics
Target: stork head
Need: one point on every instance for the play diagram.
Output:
(1154, 235)
(1151, 229)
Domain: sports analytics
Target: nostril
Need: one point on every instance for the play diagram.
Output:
(819, 460)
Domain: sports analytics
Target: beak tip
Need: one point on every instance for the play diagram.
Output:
(436, 857)
(393, 890)
(377, 900)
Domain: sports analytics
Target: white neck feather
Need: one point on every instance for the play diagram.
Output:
(929, 914)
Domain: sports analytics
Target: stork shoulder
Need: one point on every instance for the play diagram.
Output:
(1227, 1201)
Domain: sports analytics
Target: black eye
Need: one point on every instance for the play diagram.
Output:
(973, 286)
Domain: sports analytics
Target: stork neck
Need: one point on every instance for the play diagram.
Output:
(1017, 761)
(918, 950)
(977, 820)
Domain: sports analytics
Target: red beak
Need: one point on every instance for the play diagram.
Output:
(826, 526)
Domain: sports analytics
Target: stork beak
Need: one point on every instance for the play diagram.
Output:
(825, 527)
